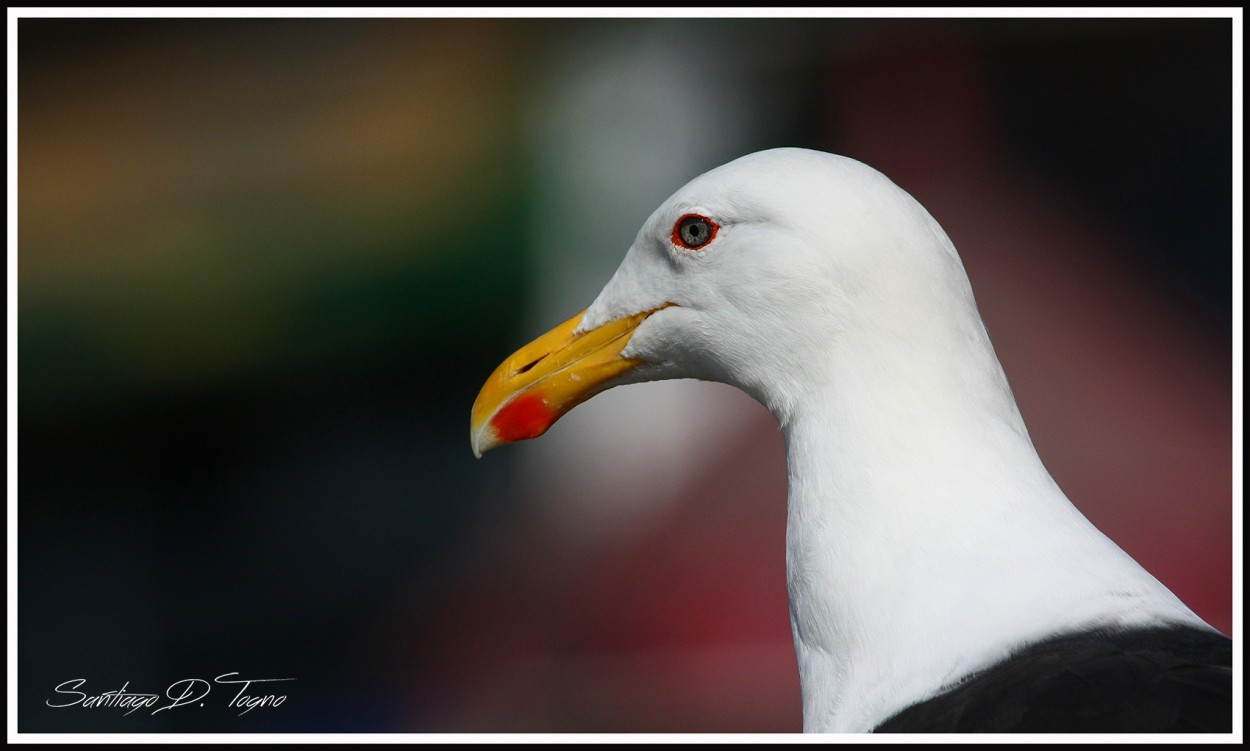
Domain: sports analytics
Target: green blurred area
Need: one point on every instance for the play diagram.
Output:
(231, 211)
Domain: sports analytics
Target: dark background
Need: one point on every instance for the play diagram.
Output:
(265, 265)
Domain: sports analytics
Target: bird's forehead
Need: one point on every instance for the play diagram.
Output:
(771, 185)
(724, 200)
(738, 181)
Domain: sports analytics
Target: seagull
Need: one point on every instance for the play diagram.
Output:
(939, 580)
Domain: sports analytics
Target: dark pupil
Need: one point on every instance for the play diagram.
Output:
(694, 231)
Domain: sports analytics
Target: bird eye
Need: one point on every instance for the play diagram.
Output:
(693, 231)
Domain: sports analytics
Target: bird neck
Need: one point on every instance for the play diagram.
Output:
(925, 539)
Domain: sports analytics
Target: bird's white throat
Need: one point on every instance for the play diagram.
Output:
(925, 539)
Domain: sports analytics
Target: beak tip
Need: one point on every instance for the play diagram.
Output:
(481, 440)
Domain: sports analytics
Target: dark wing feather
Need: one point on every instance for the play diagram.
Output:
(1171, 679)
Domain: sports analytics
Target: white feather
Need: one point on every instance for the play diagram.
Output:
(925, 539)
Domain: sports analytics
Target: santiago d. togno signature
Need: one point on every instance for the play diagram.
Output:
(186, 692)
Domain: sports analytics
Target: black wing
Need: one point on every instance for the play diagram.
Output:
(1159, 680)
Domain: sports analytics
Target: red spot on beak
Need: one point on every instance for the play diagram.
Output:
(525, 417)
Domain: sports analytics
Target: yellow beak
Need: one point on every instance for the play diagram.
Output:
(546, 378)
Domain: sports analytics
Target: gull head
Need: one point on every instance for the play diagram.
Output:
(764, 273)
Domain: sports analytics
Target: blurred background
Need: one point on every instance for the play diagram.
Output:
(265, 265)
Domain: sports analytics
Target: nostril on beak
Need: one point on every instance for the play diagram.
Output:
(527, 368)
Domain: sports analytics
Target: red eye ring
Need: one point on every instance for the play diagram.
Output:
(694, 231)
